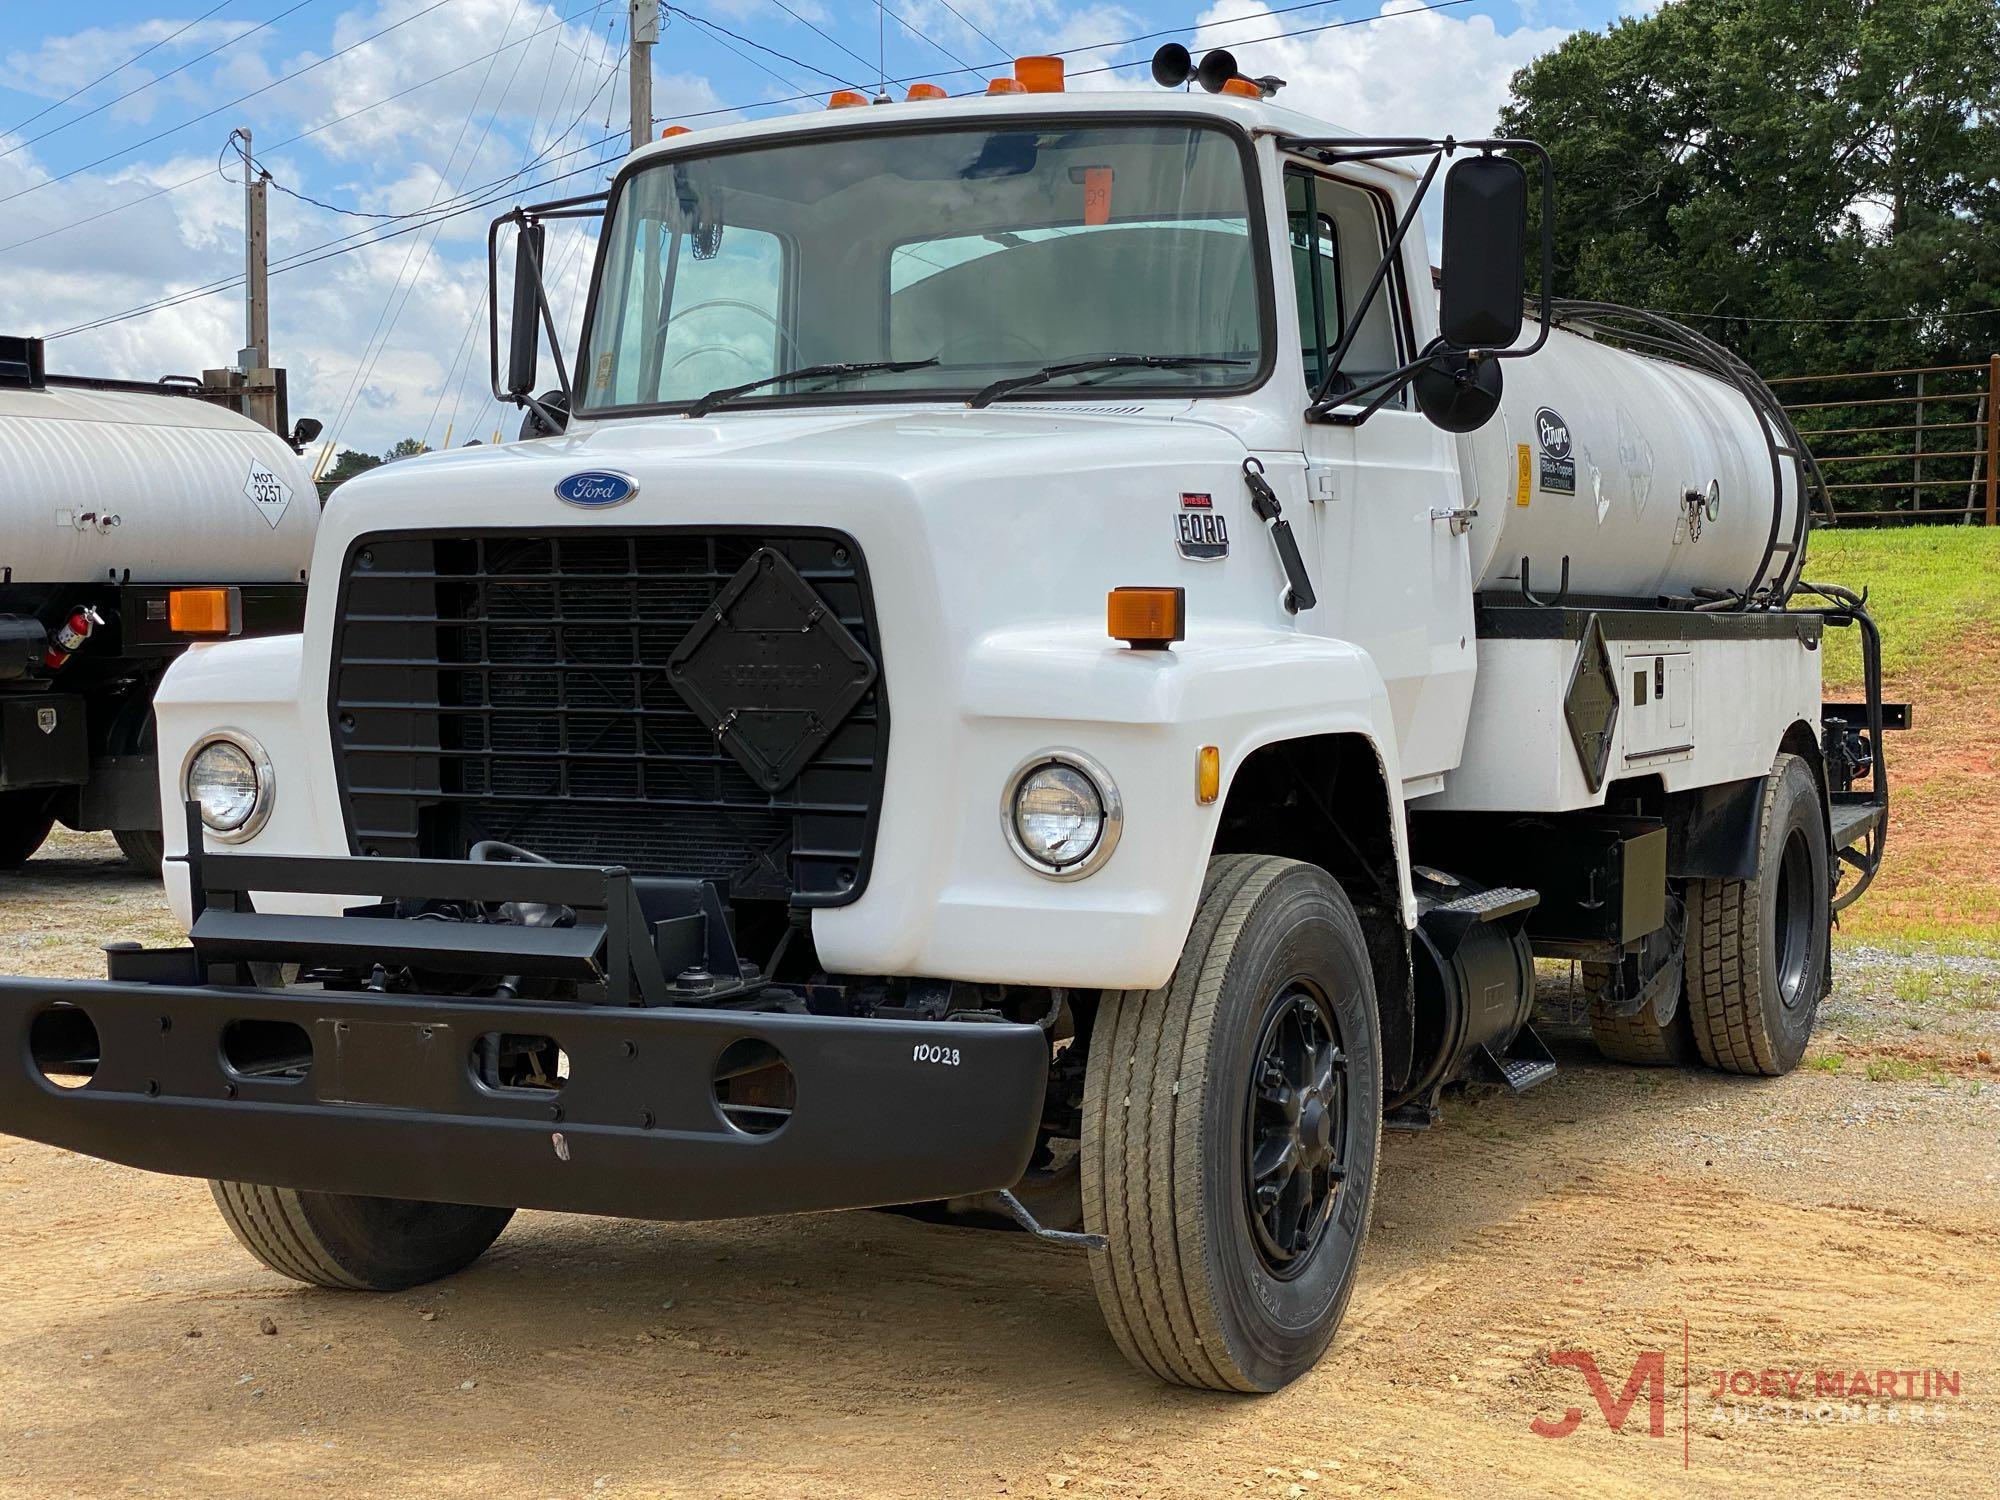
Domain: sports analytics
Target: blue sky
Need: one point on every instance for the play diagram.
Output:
(111, 202)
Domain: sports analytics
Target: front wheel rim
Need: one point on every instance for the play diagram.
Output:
(1296, 1128)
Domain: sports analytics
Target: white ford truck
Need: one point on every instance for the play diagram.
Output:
(1030, 656)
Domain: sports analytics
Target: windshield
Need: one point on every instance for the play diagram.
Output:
(972, 255)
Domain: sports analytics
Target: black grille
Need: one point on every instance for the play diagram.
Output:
(514, 687)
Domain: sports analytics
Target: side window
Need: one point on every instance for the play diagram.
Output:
(1336, 236)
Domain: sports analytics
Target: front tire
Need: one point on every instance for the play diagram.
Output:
(1757, 949)
(353, 1243)
(143, 850)
(1232, 1121)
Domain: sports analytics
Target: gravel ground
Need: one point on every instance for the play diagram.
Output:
(1838, 1220)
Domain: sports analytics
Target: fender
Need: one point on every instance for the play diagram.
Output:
(964, 907)
(252, 687)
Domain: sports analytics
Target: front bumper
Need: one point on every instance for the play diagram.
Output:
(886, 1111)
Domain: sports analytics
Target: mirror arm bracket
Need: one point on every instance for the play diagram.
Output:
(592, 205)
(1340, 149)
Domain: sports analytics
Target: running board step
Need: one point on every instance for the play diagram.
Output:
(1527, 1063)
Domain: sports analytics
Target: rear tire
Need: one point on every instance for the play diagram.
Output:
(356, 1244)
(1637, 1040)
(1232, 1121)
(142, 850)
(1757, 949)
(25, 821)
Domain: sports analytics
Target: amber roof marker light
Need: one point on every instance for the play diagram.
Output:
(1040, 75)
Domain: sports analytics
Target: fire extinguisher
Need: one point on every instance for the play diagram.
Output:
(70, 635)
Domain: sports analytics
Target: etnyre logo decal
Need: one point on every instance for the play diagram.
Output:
(595, 489)
(1558, 468)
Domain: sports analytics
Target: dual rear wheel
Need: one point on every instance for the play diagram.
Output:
(1756, 962)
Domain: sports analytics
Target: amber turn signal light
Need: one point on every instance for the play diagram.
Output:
(845, 99)
(1208, 774)
(1006, 86)
(673, 130)
(925, 91)
(1146, 619)
(1242, 88)
(204, 611)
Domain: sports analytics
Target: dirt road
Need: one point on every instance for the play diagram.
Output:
(1843, 1219)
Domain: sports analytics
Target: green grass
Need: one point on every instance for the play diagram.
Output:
(1928, 585)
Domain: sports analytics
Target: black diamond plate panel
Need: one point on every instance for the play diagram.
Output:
(1591, 705)
(770, 670)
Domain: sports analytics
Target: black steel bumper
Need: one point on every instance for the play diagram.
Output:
(886, 1111)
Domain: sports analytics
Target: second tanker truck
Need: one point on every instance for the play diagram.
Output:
(135, 519)
(1031, 659)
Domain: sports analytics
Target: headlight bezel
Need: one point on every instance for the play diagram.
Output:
(260, 768)
(1092, 771)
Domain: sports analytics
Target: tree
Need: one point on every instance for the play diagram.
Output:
(344, 467)
(407, 448)
(1784, 159)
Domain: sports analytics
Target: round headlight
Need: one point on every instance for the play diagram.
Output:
(1062, 815)
(229, 781)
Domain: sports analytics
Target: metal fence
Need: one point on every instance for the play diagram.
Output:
(1904, 445)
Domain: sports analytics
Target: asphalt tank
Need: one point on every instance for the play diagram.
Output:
(1651, 477)
(133, 487)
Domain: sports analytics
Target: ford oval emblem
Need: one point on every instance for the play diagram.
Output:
(597, 489)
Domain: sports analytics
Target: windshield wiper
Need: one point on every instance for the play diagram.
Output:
(999, 388)
(715, 398)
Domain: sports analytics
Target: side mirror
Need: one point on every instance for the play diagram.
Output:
(306, 430)
(1485, 254)
(525, 332)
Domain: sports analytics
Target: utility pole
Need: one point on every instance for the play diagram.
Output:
(644, 31)
(253, 375)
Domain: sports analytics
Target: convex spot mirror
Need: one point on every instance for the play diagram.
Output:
(1484, 262)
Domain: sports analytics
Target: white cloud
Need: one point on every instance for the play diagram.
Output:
(1403, 73)
(1406, 71)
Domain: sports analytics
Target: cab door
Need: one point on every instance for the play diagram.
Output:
(1396, 567)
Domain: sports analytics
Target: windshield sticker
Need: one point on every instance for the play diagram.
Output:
(1200, 532)
(1558, 467)
(1097, 195)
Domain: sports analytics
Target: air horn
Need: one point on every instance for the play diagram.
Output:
(1173, 66)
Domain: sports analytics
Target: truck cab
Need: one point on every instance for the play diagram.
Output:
(961, 694)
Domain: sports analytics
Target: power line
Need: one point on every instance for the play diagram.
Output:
(970, 27)
(371, 353)
(223, 108)
(757, 63)
(339, 246)
(130, 93)
(145, 52)
(911, 27)
(709, 25)
(816, 31)
(293, 140)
